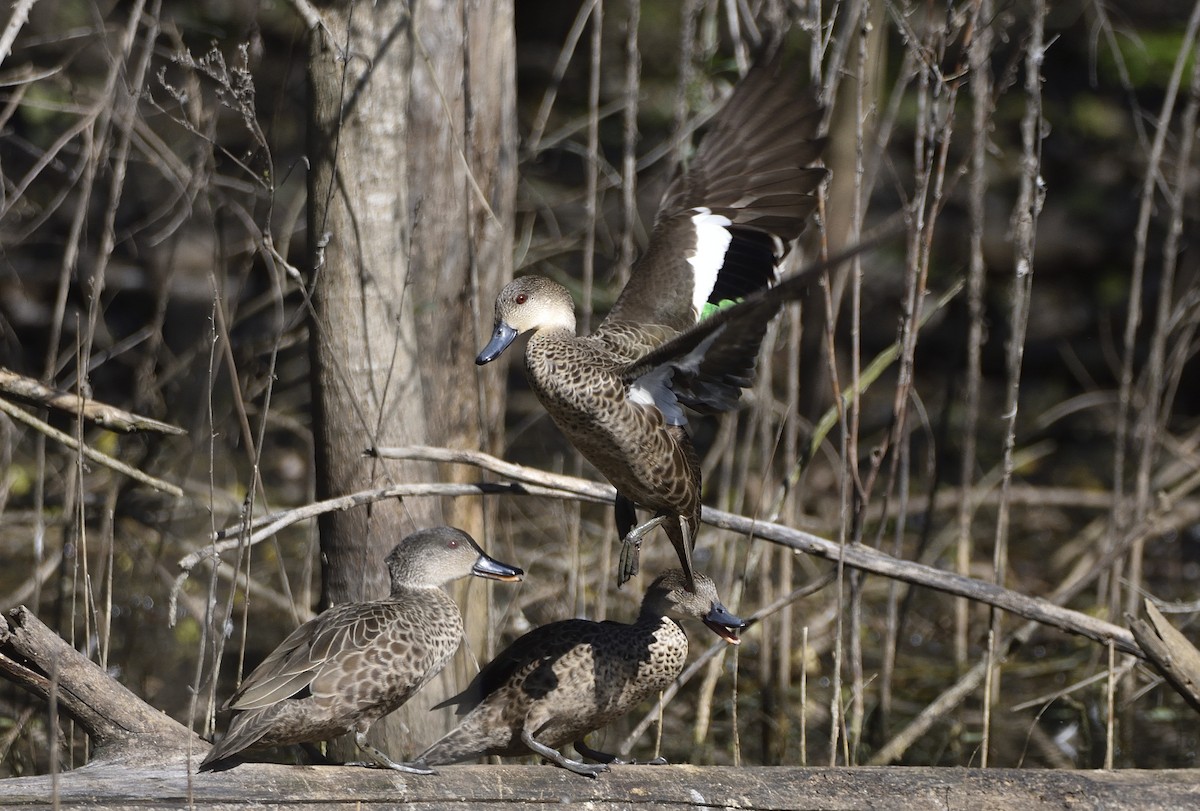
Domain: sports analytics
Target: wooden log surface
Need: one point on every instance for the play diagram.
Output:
(473, 787)
(145, 759)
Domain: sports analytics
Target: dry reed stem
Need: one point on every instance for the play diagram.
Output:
(629, 210)
(1025, 218)
(538, 128)
(1085, 573)
(979, 49)
(1127, 400)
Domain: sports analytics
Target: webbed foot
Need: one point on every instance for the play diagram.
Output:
(382, 761)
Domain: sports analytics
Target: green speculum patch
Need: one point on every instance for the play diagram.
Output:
(723, 304)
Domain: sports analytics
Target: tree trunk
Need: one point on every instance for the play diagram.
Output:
(461, 249)
(403, 252)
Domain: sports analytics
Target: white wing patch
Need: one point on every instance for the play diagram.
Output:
(712, 241)
(654, 389)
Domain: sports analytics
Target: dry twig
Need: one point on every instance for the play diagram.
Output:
(104, 415)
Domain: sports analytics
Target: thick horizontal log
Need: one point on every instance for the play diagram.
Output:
(473, 787)
(149, 760)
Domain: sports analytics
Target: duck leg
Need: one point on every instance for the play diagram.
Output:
(625, 513)
(382, 760)
(631, 546)
(679, 530)
(595, 754)
(556, 757)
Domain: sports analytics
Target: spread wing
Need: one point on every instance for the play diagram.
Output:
(707, 366)
(724, 225)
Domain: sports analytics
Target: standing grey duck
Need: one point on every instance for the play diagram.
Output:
(354, 663)
(721, 231)
(561, 681)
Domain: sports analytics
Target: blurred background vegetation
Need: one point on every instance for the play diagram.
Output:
(171, 196)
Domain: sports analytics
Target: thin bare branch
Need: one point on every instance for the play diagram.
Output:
(16, 20)
(89, 453)
(110, 417)
(854, 555)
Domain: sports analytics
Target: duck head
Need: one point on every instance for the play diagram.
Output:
(669, 596)
(530, 302)
(433, 557)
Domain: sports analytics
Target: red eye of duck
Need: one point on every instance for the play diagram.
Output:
(521, 298)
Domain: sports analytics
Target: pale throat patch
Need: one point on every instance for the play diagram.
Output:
(553, 316)
(712, 242)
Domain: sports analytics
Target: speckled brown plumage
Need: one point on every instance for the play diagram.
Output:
(355, 663)
(564, 680)
(721, 231)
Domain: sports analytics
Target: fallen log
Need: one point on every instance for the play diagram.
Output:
(121, 725)
(143, 757)
(473, 787)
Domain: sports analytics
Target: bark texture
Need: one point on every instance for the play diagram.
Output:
(467, 787)
(122, 727)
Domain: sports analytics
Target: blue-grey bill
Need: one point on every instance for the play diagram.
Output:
(724, 624)
(493, 569)
(501, 338)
